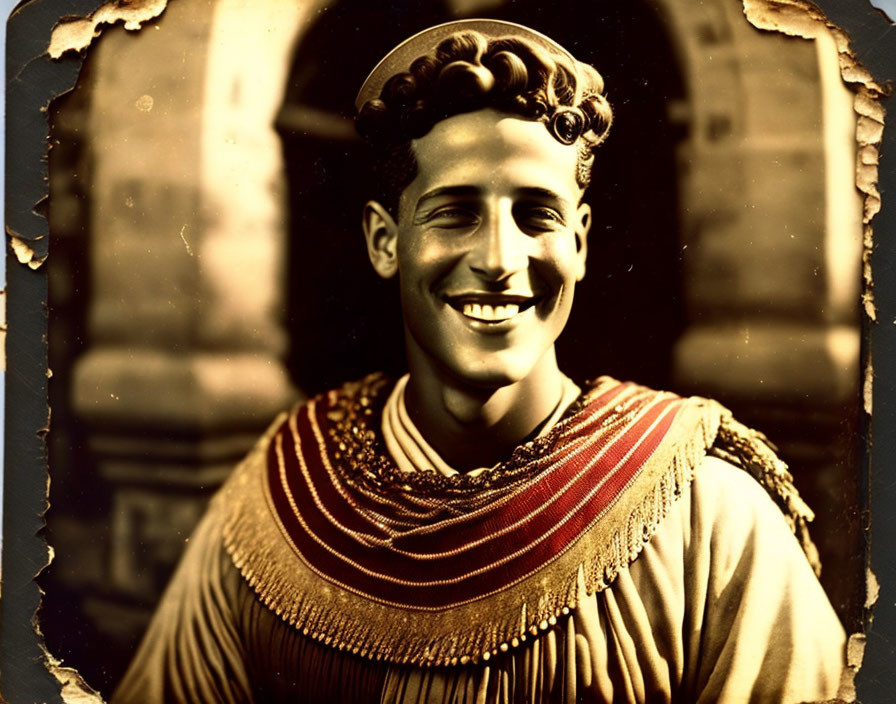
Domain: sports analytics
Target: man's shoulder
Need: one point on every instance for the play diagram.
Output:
(728, 490)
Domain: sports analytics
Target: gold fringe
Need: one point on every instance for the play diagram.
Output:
(473, 631)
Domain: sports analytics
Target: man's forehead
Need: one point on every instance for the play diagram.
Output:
(489, 124)
(487, 149)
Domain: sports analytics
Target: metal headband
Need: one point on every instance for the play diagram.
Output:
(401, 57)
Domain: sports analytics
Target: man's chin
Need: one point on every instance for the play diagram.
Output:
(491, 364)
(490, 376)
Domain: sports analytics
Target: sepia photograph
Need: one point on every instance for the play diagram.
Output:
(454, 351)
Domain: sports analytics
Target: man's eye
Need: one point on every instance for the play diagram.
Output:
(453, 216)
(541, 217)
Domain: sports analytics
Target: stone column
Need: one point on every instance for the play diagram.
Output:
(772, 225)
(187, 241)
(771, 247)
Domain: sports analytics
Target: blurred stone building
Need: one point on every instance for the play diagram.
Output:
(207, 268)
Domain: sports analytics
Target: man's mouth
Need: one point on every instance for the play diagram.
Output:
(491, 308)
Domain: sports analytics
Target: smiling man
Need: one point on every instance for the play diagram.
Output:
(484, 530)
(488, 242)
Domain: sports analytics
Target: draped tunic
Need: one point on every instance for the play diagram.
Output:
(713, 600)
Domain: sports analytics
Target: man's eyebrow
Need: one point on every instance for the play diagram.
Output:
(541, 193)
(455, 191)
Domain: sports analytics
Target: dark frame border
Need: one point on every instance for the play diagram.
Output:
(33, 80)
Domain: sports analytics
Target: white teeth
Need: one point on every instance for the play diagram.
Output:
(490, 313)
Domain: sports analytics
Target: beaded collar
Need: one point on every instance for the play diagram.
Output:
(431, 570)
(360, 454)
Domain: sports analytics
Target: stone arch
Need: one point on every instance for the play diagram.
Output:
(768, 238)
(188, 195)
(633, 247)
(771, 220)
(772, 230)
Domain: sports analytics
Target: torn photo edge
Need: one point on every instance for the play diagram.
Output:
(43, 63)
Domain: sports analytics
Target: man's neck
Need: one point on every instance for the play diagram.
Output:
(472, 427)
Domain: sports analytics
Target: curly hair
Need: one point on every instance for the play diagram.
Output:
(468, 72)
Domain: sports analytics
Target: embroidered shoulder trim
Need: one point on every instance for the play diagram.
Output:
(442, 571)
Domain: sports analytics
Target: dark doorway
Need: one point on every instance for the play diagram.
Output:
(628, 310)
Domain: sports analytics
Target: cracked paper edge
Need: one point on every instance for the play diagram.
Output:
(802, 19)
(74, 690)
(792, 17)
(24, 251)
(77, 34)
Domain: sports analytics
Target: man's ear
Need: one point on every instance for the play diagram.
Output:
(583, 226)
(381, 233)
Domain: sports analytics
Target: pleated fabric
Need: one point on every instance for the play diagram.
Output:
(721, 605)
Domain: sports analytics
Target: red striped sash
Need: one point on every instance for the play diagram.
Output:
(431, 549)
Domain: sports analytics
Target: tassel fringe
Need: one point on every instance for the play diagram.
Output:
(474, 631)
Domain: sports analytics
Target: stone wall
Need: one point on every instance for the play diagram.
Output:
(168, 323)
(771, 239)
(179, 367)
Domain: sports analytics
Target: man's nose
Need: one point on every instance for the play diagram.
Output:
(501, 249)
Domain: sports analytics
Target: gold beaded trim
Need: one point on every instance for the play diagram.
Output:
(476, 630)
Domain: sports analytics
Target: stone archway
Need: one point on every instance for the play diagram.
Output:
(770, 214)
(631, 246)
(180, 211)
(184, 361)
(772, 230)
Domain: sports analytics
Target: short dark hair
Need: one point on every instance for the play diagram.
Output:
(468, 72)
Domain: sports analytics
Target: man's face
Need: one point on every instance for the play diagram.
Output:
(490, 243)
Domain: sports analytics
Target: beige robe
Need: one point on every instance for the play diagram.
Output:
(719, 606)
